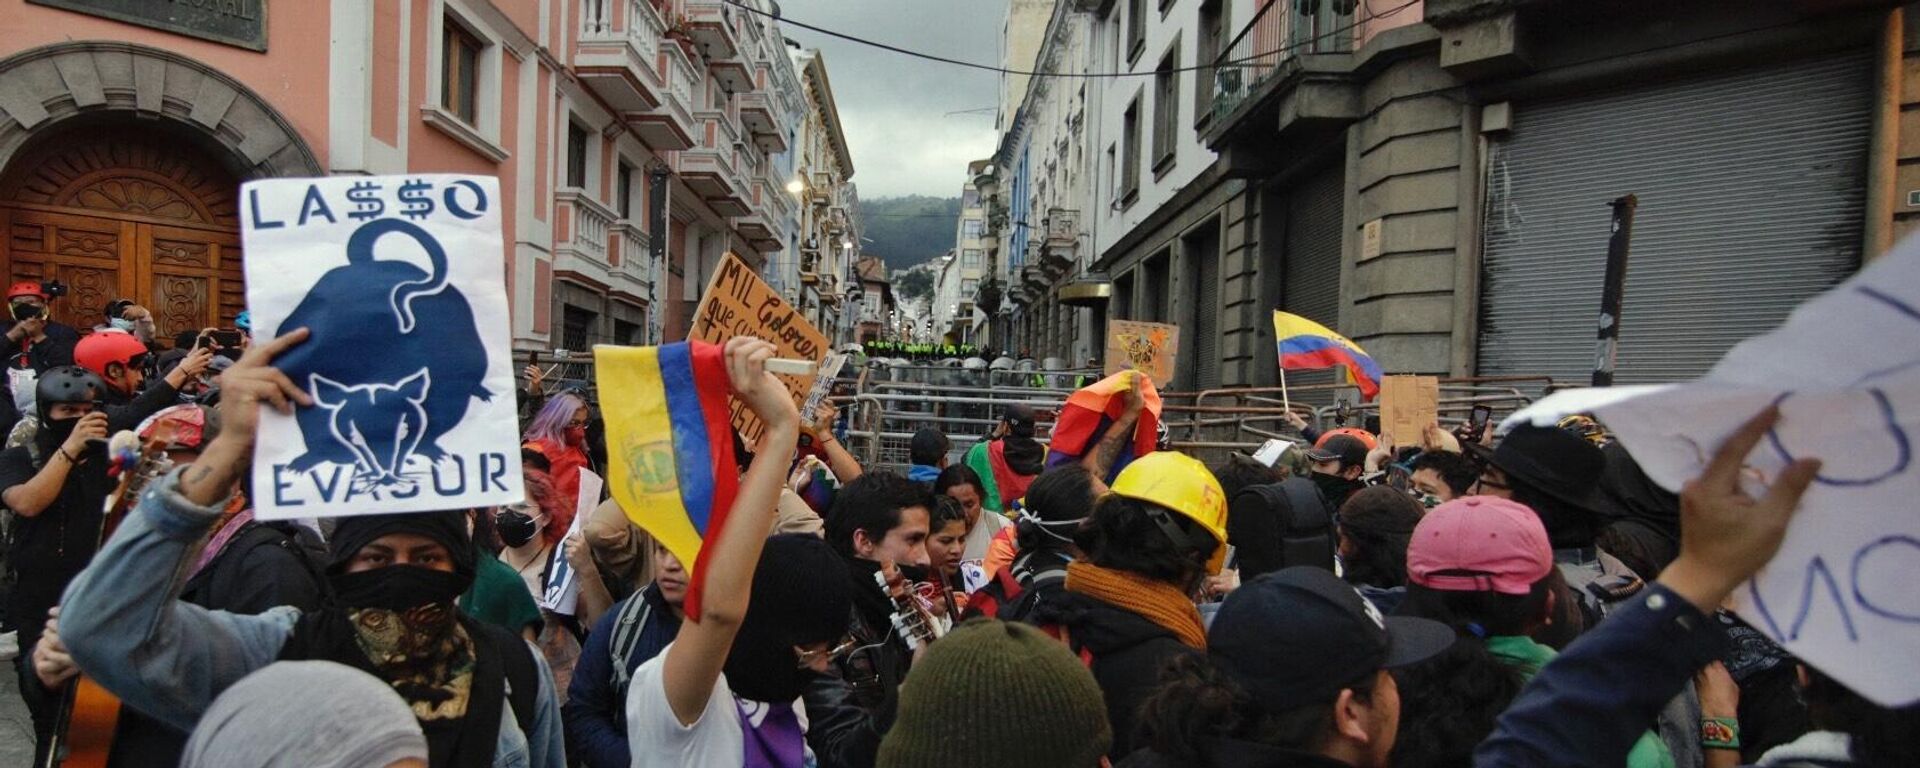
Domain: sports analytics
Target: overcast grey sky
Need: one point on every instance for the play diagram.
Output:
(894, 107)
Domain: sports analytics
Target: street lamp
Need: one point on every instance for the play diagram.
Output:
(796, 186)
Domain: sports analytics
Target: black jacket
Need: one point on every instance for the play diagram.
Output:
(841, 732)
(1127, 650)
(875, 669)
(54, 351)
(126, 412)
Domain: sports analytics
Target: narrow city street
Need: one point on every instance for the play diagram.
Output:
(976, 384)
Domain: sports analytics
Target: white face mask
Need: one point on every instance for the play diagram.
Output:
(121, 324)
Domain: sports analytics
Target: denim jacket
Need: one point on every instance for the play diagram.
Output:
(1592, 702)
(125, 625)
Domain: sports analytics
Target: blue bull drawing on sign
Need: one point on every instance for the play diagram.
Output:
(394, 361)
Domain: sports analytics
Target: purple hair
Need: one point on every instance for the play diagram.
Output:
(551, 423)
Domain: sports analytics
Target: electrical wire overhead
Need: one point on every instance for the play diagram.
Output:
(1086, 75)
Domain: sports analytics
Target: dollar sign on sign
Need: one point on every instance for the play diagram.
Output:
(414, 202)
(366, 200)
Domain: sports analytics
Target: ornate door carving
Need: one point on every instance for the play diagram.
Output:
(124, 213)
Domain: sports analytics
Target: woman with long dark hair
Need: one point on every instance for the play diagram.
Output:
(1057, 503)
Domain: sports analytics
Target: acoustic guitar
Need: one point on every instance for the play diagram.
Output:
(83, 731)
(910, 617)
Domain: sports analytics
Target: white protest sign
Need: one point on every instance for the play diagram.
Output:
(401, 281)
(1845, 371)
(563, 590)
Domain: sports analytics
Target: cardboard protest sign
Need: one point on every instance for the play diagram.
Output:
(563, 590)
(739, 303)
(1845, 371)
(400, 280)
(1146, 347)
(1407, 405)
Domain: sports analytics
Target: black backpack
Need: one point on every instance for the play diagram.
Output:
(1280, 525)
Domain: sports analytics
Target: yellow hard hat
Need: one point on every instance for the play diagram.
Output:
(1183, 485)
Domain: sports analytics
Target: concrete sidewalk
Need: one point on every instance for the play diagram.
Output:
(16, 728)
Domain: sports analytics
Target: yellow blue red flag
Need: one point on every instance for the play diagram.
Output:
(670, 460)
(1305, 344)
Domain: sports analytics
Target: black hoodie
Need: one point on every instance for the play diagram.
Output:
(1128, 651)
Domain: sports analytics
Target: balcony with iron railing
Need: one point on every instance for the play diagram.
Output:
(581, 228)
(1277, 37)
(670, 125)
(618, 54)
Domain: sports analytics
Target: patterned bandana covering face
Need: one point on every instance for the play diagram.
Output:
(425, 653)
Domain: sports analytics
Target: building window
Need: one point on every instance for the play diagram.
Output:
(1166, 109)
(576, 156)
(970, 258)
(1213, 41)
(970, 199)
(1136, 29)
(1130, 152)
(577, 326)
(623, 190)
(626, 333)
(970, 228)
(968, 285)
(460, 71)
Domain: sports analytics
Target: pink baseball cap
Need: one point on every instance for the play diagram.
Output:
(1479, 544)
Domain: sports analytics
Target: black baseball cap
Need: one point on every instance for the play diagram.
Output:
(1297, 636)
(1019, 419)
(1346, 448)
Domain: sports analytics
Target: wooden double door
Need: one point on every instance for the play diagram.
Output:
(117, 213)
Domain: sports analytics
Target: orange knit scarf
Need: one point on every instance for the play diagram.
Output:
(1155, 601)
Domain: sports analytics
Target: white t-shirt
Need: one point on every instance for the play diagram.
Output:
(656, 737)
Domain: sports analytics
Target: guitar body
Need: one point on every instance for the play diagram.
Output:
(84, 737)
(89, 738)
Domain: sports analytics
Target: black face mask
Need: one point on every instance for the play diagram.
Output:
(397, 587)
(1334, 487)
(516, 528)
(53, 433)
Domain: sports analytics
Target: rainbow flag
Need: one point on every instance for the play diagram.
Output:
(1305, 344)
(670, 445)
(1088, 413)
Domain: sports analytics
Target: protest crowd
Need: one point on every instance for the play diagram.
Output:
(1085, 597)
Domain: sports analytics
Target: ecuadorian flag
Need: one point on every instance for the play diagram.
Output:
(1305, 344)
(670, 445)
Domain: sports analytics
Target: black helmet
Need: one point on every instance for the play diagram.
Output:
(67, 384)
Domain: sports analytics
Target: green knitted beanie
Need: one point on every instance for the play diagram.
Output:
(1002, 695)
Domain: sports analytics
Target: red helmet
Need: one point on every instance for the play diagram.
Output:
(102, 348)
(26, 288)
(1366, 438)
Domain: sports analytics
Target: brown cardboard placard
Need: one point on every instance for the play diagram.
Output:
(738, 303)
(1147, 347)
(1407, 405)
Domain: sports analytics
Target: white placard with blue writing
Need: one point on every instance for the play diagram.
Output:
(401, 281)
(1844, 370)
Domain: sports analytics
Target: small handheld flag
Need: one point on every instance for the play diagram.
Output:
(1305, 344)
(670, 459)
